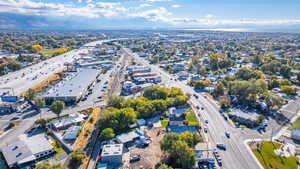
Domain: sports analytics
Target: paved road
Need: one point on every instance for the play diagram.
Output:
(236, 156)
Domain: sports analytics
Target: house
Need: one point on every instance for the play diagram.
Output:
(295, 134)
(248, 119)
(74, 119)
(71, 133)
(112, 153)
(176, 121)
(25, 150)
(129, 138)
(182, 75)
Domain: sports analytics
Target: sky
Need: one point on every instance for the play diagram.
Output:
(149, 14)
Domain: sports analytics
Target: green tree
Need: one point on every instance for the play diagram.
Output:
(76, 159)
(57, 107)
(181, 155)
(30, 94)
(289, 90)
(107, 134)
(192, 139)
(39, 102)
(286, 71)
(164, 166)
(219, 90)
(117, 102)
(155, 92)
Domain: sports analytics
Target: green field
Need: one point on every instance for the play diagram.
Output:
(296, 125)
(269, 159)
(191, 118)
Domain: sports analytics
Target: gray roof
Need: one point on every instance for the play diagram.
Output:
(249, 116)
(23, 148)
(112, 150)
(75, 85)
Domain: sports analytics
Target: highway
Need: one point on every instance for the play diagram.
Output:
(236, 156)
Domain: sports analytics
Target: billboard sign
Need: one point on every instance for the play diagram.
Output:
(9, 98)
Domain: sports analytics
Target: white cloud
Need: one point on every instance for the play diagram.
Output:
(156, 15)
(175, 6)
(29, 7)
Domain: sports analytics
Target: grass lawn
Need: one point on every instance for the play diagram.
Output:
(165, 122)
(57, 147)
(191, 118)
(269, 159)
(296, 125)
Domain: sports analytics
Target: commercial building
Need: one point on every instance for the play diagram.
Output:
(112, 153)
(72, 88)
(25, 150)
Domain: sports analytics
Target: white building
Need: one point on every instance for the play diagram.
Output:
(25, 150)
(112, 153)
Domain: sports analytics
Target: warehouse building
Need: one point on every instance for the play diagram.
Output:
(72, 88)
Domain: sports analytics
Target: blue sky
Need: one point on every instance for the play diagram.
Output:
(141, 14)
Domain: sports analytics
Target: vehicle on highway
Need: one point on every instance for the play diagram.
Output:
(197, 107)
(206, 121)
(221, 146)
(205, 130)
(227, 134)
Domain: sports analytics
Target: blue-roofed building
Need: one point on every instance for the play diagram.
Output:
(102, 166)
(182, 129)
(295, 134)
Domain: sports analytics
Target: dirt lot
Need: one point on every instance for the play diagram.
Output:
(150, 155)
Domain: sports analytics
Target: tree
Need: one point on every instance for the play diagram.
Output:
(117, 102)
(76, 159)
(107, 134)
(286, 71)
(37, 48)
(181, 155)
(14, 65)
(48, 165)
(289, 90)
(164, 166)
(224, 102)
(41, 122)
(192, 139)
(155, 92)
(39, 102)
(30, 94)
(219, 90)
(57, 107)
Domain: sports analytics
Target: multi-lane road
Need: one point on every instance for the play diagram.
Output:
(237, 155)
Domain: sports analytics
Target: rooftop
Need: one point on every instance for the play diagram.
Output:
(112, 150)
(75, 85)
(23, 148)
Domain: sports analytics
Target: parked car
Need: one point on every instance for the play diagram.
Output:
(134, 158)
(221, 146)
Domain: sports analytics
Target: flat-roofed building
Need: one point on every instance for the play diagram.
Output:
(112, 153)
(25, 150)
(72, 88)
